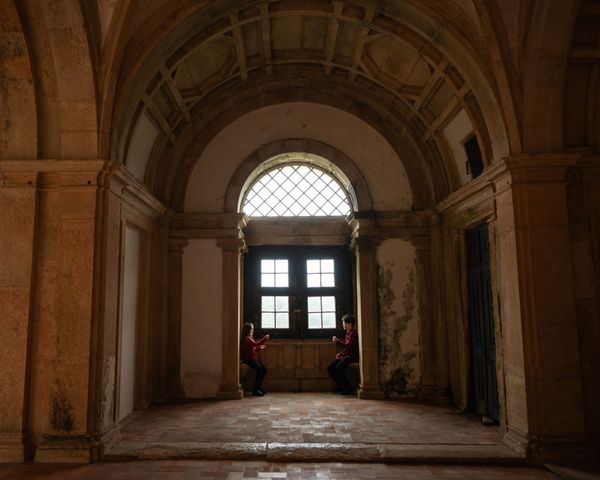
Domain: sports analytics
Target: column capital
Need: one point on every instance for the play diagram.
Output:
(421, 243)
(538, 168)
(364, 244)
(232, 244)
(176, 245)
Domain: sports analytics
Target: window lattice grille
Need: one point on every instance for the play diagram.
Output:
(296, 191)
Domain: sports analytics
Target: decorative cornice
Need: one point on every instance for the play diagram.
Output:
(389, 224)
(208, 225)
(50, 173)
(136, 193)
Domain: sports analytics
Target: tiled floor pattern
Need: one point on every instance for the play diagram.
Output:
(207, 470)
(308, 418)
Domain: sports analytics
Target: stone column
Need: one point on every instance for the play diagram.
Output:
(230, 388)
(63, 317)
(365, 249)
(174, 386)
(542, 369)
(439, 316)
(584, 219)
(160, 311)
(18, 202)
(433, 339)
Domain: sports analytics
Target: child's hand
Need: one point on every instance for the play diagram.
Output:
(334, 339)
(262, 347)
(267, 337)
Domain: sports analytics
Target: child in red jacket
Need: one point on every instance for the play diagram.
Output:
(348, 354)
(248, 349)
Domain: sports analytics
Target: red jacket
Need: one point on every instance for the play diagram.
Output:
(350, 345)
(250, 347)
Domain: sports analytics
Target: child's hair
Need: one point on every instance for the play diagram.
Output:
(246, 330)
(348, 318)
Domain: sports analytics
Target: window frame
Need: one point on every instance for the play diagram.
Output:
(297, 291)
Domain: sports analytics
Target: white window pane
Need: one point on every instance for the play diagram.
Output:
(267, 266)
(328, 304)
(314, 320)
(329, 320)
(327, 266)
(268, 304)
(314, 304)
(328, 280)
(312, 266)
(282, 320)
(268, 320)
(281, 266)
(313, 280)
(277, 191)
(281, 304)
(267, 280)
(281, 280)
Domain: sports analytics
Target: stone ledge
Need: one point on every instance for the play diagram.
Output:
(319, 452)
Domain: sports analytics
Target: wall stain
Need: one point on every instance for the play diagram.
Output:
(61, 416)
(395, 367)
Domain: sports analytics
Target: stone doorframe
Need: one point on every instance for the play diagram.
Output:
(472, 205)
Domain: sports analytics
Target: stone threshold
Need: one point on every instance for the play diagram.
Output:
(319, 452)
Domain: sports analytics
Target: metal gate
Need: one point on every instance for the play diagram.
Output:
(481, 324)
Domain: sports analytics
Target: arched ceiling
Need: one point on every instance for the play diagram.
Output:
(406, 68)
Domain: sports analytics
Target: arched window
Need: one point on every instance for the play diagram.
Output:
(297, 291)
(296, 190)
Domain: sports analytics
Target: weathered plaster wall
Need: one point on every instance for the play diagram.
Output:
(399, 353)
(371, 153)
(129, 316)
(201, 328)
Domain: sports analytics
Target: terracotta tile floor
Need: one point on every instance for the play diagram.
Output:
(188, 470)
(307, 418)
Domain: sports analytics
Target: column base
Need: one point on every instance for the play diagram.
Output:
(434, 393)
(108, 439)
(516, 441)
(230, 393)
(561, 451)
(370, 393)
(12, 448)
(541, 450)
(176, 391)
(65, 449)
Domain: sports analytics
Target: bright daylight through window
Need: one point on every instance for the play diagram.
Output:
(296, 190)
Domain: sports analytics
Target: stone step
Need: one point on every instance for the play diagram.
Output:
(319, 452)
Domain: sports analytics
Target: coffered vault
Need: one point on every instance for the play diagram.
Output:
(130, 127)
(403, 70)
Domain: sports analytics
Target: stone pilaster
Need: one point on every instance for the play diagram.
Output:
(365, 249)
(584, 219)
(432, 335)
(174, 386)
(230, 388)
(59, 353)
(18, 204)
(542, 369)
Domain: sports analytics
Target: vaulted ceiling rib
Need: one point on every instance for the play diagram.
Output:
(361, 45)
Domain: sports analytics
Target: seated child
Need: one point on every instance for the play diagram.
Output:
(348, 355)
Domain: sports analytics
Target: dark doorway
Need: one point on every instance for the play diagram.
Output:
(484, 386)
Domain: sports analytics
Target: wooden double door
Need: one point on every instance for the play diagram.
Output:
(484, 385)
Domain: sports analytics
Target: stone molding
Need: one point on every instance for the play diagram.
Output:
(380, 225)
(243, 175)
(207, 225)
